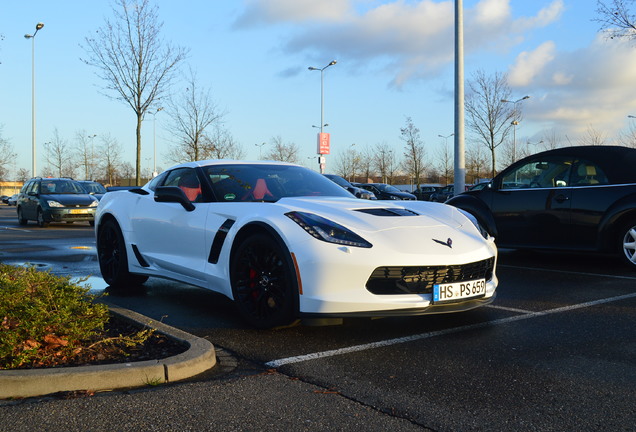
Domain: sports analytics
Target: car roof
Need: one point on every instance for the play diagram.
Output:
(208, 162)
(616, 161)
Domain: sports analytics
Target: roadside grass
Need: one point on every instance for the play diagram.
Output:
(47, 321)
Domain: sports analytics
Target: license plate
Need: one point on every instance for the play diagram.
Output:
(459, 291)
(78, 211)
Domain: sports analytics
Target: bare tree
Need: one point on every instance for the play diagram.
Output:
(384, 162)
(110, 151)
(477, 163)
(413, 151)
(490, 118)
(59, 156)
(551, 140)
(592, 137)
(628, 138)
(616, 19)
(133, 60)
(367, 169)
(222, 144)
(85, 153)
(446, 163)
(282, 152)
(192, 113)
(127, 172)
(23, 175)
(7, 156)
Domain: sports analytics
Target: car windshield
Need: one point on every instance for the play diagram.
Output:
(260, 182)
(94, 187)
(61, 187)
(338, 180)
(388, 188)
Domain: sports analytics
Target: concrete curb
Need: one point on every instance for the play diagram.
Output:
(199, 357)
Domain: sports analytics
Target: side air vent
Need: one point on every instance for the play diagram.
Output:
(388, 212)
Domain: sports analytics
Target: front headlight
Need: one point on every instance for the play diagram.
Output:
(53, 203)
(326, 230)
(94, 203)
(475, 222)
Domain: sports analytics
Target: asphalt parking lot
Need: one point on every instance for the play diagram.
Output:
(556, 351)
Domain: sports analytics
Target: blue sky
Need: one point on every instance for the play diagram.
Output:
(395, 59)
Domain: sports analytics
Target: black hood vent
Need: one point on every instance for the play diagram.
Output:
(388, 212)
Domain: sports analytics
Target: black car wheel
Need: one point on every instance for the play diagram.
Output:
(21, 219)
(113, 260)
(42, 223)
(263, 282)
(627, 237)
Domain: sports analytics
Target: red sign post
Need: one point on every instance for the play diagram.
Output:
(323, 143)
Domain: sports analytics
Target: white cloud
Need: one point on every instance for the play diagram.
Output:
(530, 64)
(276, 11)
(406, 39)
(592, 86)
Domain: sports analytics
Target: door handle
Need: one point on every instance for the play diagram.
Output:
(561, 198)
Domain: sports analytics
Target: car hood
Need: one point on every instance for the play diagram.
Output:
(70, 199)
(378, 215)
(407, 226)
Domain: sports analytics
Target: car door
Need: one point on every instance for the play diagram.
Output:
(531, 203)
(591, 197)
(170, 237)
(29, 200)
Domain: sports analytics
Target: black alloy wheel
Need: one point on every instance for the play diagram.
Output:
(113, 259)
(263, 282)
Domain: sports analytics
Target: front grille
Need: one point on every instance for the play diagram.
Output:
(420, 279)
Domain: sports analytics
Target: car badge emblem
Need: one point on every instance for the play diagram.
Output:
(448, 242)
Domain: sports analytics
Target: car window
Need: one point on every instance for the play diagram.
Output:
(586, 173)
(61, 187)
(157, 181)
(539, 173)
(243, 182)
(185, 179)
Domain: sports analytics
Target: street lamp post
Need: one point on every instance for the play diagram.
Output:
(514, 124)
(92, 159)
(154, 142)
(260, 150)
(38, 27)
(322, 105)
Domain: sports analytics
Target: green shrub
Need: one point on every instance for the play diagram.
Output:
(45, 319)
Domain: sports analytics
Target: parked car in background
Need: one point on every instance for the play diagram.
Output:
(4, 199)
(423, 193)
(443, 194)
(576, 198)
(12, 200)
(283, 242)
(46, 200)
(94, 188)
(384, 191)
(356, 191)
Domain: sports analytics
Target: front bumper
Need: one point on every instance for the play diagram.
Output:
(70, 215)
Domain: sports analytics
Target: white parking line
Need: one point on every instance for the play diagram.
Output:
(14, 229)
(569, 272)
(523, 311)
(389, 342)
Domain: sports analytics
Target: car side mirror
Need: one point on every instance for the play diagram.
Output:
(173, 194)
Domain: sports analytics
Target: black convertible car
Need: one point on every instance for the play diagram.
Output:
(577, 198)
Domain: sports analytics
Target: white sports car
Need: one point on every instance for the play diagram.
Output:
(284, 242)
